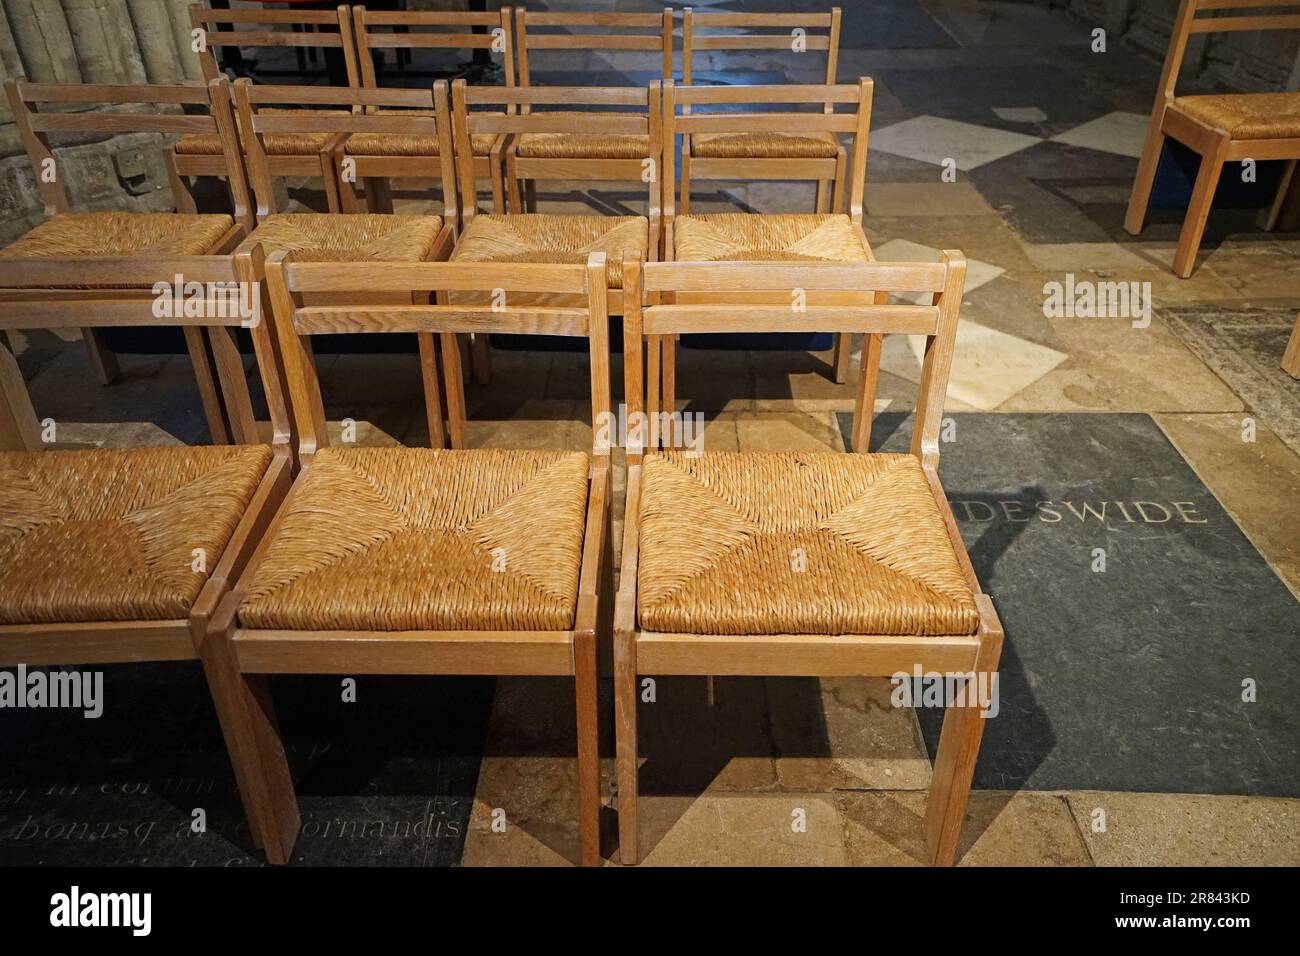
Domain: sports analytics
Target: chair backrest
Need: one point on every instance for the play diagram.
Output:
(793, 32)
(447, 30)
(351, 290)
(593, 31)
(1196, 17)
(682, 118)
(265, 109)
(272, 28)
(123, 109)
(944, 280)
(581, 110)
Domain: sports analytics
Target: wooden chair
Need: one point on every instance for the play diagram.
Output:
(584, 151)
(114, 556)
(306, 153)
(418, 561)
(389, 155)
(52, 263)
(770, 154)
(501, 237)
(412, 114)
(1221, 128)
(799, 564)
(828, 237)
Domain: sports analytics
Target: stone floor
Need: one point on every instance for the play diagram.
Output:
(1044, 135)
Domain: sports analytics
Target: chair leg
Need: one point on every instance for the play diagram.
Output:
(668, 388)
(653, 377)
(432, 403)
(1198, 210)
(453, 387)
(378, 197)
(684, 201)
(584, 660)
(837, 197)
(237, 402)
(1136, 216)
(182, 187)
(954, 764)
(530, 195)
(823, 193)
(513, 187)
(625, 695)
(205, 375)
(102, 360)
(481, 358)
(498, 188)
(1291, 358)
(1279, 199)
(19, 428)
(841, 356)
(864, 409)
(243, 705)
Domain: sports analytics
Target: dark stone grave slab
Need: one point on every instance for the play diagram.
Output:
(1132, 678)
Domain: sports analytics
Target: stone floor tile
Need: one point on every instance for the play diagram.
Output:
(1118, 132)
(1001, 828)
(1176, 829)
(933, 139)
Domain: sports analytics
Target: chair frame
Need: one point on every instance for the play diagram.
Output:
(248, 653)
(639, 652)
(1291, 357)
(181, 167)
(362, 100)
(1215, 146)
(857, 124)
(826, 172)
(28, 300)
(517, 119)
(488, 167)
(522, 188)
(218, 368)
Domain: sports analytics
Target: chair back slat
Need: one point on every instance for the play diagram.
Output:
(546, 30)
(410, 297)
(432, 30)
(343, 111)
(273, 28)
(680, 118)
(859, 290)
(1201, 17)
(116, 109)
(581, 110)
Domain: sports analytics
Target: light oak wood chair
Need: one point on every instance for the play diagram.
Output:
(584, 151)
(1221, 128)
(388, 155)
(118, 555)
(427, 561)
(410, 114)
(772, 154)
(52, 263)
(503, 237)
(772, 237)
(307, 152)
(798, 564)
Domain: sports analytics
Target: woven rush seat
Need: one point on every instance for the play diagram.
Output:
(582, 145)
(424, 539)
(276, 144)
(326, 237)
(400, 144)
(796, 543)
(110, 534)
(73, 234)
(1246, 115)
(724, 237)
(532, 237)
(766, 145)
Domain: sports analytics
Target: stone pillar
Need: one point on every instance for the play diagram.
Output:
(104, 42)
